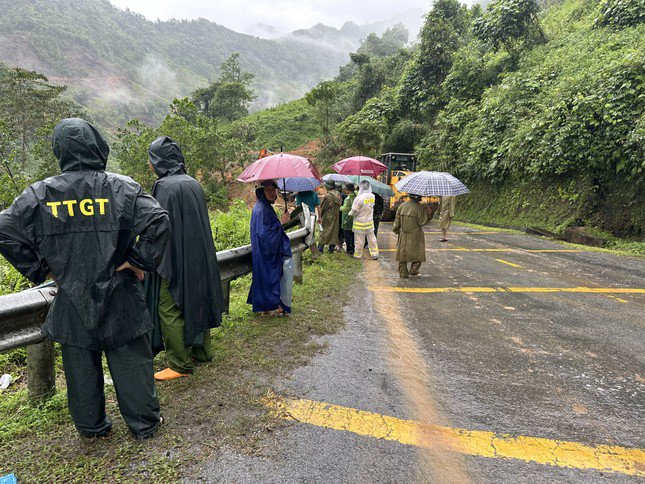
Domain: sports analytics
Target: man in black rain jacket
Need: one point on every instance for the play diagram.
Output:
(94, 232)
(185, 294)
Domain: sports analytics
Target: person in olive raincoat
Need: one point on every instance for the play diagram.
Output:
(447, 213)
(185, 293)
(272, 271)
(95, 233)
(330, 218)
(411, 245)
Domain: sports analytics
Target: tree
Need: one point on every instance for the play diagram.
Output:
(324, 98)
(211, 151)
(510, 23)
(229, 97)
(445, 30)
(29, 108)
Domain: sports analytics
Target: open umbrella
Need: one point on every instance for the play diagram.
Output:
(337, 177)
(359, 165)
(377, 187)
(280, 165)
(298, 184)
(431, 184)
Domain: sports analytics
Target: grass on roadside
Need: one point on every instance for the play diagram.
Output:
(614, 246)
(217, 406)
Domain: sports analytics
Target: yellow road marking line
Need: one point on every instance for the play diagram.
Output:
(593, 290)
(509, 263)
(457, 233)
(560, 453)
(616, 298)
(554, 250)
(463, 249)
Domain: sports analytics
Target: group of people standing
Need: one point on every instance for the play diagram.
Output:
(351, 218)
(138, 273)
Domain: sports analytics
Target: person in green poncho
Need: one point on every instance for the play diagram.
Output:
(410, 246)
(347, 221)
(329, 218)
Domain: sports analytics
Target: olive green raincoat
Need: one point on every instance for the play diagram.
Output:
(410, 218)
(330, 213)
(447, 211)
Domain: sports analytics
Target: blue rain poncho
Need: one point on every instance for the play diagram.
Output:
(270, 249)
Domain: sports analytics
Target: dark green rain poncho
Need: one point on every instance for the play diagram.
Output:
(190, 261)
(80, 226)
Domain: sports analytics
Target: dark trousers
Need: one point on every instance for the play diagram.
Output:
(377, 220)
(321, 248)
(414, 269)
(349, 241)
(132, 373)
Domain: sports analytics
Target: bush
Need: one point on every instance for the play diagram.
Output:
(232, 228)
(620, 13)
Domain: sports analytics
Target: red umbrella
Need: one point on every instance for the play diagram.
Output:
(360, 165)
(280, 165)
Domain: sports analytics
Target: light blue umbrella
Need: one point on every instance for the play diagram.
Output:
(431, 184)
(298, 184)
(337, 177)
(378, 187)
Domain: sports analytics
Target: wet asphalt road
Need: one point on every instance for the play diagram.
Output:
(556, 365)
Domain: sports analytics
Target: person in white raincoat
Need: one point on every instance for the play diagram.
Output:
(363, 212)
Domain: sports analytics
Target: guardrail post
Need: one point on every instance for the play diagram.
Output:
(297, 267)
(226, 290)
(41, 374)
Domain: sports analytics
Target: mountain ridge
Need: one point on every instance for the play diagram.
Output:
(120, 65)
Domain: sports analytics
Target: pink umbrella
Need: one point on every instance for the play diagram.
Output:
(280, 165)
(360, 165)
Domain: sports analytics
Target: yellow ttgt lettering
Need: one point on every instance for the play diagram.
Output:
(54, 206)
(85, 206)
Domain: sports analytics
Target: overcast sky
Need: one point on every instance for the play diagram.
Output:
(283, 14)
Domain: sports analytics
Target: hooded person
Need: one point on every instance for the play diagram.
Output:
(94, 233)
(341, 232)
(363, 224)
(347, 221)
(410, 246)
(272, 275)
(185, 293)
(330, 218)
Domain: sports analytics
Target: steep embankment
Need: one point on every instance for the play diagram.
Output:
(557, 141)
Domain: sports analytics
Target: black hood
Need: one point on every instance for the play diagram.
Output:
(79, 146)
(166, 157)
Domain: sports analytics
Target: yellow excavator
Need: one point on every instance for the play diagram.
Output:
(400, 165)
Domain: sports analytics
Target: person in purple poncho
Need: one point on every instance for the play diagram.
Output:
(272, 275)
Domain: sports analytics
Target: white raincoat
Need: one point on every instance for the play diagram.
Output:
(363, 210)
(363, 228)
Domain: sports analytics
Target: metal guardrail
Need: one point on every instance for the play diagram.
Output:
(22, 314)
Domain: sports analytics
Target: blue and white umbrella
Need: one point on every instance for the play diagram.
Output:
(297, 184)
(431, 184)
(337, 177)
